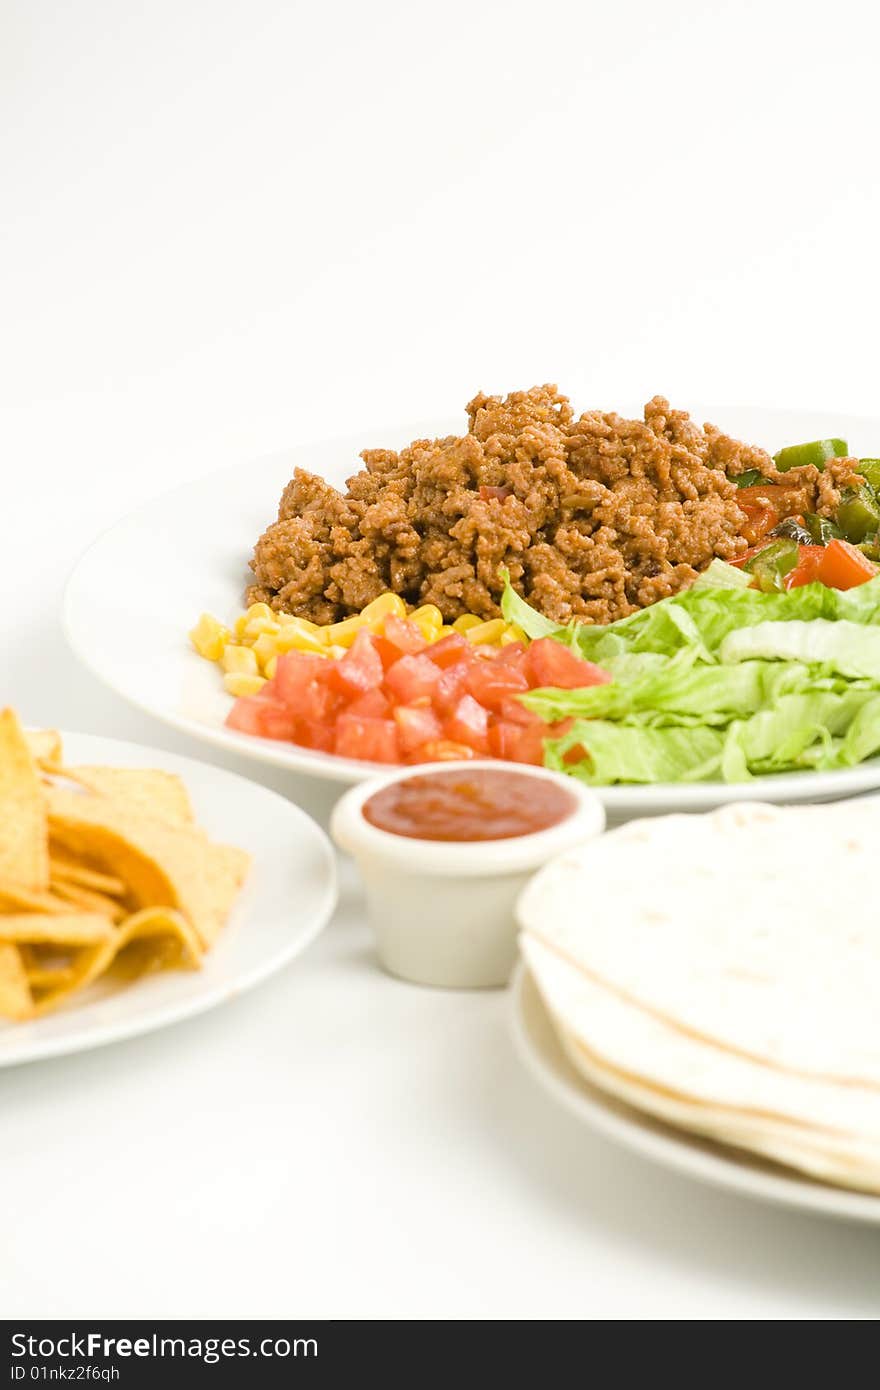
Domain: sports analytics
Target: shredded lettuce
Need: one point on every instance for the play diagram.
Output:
(720, 575)
(848, 647)
(721, 682)
(516, 610)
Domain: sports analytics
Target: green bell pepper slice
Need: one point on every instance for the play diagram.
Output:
(870, 471)
(770, 566)
(821, 529)
(749, 478)
(858, 515)
(817, 453)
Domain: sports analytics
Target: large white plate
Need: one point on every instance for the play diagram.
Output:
(288, 897)
(540, 1049)
(135, 593)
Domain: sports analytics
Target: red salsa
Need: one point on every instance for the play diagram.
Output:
(469, 804)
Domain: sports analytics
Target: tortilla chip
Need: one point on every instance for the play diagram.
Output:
(88, 901)
(45, 747)
(46, 964)
(163, 865)
(24, 840)
(67, 869)
(163, 940)
(15, 994)
(15, 899)
(149, 790)
(74, 929)
(45, 977)
(102, 871)
(94, 960)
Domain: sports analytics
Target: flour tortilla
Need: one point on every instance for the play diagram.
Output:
(752, 929)
(829, 1160)
(703, 1088)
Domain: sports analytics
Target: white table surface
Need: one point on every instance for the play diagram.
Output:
(231, 226)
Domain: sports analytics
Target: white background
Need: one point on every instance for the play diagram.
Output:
(229, 227)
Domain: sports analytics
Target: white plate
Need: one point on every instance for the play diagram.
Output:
(541, 1051)
(187, 553)
(288, 897)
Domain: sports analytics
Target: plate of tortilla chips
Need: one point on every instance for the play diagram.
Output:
(138, 888)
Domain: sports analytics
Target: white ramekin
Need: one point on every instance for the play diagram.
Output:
(443, 911)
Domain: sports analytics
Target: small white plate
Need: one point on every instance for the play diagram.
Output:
(540, 1049)
(287, 898)
(187, 553)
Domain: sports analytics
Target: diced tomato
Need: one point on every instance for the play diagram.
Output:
(316, 734)
(512, 654)
(374, 704)
(404, 635)
(411, 677)
(396, 698)
(444, 750)
(549, 663)
(416, 724)
(359, 670)
(488, 494)
(277, 723)
(761, 518)
(317, 701)
(388, 653)
(504, 739)
(449, 650)
(450, 688)
(490, 681)
(528, 747)
(844, 566)
(374, 740)
(244, 716)
(575, 754)
(469, 723)
(806, 571)
(267, 718)
(294, 671)
(514, 712)
(765, 505)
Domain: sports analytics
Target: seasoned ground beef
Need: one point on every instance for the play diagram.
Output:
(594, 517)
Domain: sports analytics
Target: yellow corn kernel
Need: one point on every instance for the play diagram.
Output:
(240, 660)
(485, 633)
(288, 620)
(293, 638)
(512, 634)
(264, 648)
(466, 622)
(255, 628)
(429, 620)
(387, 605)
(343, 634)
(209, 637)
(237, 683)
(271, 667)
(446, 629)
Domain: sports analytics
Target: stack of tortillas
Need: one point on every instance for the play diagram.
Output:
(722, 973)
